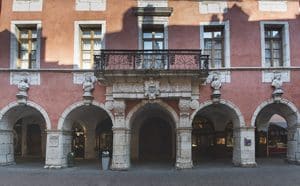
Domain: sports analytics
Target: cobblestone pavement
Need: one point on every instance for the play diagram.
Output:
(268, 172)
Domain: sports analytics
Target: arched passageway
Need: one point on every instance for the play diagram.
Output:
(23, 134)
(153, 135)
(89, 130)
(276, 128)
(212, 133)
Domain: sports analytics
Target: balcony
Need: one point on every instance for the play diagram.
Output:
(151, 63)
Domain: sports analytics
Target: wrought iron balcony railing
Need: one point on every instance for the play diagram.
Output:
(151, 60)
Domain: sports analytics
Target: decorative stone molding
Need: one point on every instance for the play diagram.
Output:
(272, 5)
(216, 86)
(184, 105)
(33, 77)
(151, 88)
(27, 5)
(23, 87)
(152, 3)
(90, 5)
(277, 85)
(88, 88)
(212, 7)
(119, 108)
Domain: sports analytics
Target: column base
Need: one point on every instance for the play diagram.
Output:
(245, 165)
(184, 165)
(7, 164)
(54, 167)
(119, 167)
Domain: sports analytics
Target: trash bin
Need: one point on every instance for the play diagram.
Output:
(70, 159)
(105, 160)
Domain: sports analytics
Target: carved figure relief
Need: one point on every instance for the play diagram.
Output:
(151, 88)
(88, 88)
(23, 87)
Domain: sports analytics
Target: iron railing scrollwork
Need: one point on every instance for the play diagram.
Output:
(154, 60)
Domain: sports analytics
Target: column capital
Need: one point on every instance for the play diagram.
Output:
(179, 129)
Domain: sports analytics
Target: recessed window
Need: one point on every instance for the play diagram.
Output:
(273, 46)
(27, 47)
(90, 44)
(214, 45)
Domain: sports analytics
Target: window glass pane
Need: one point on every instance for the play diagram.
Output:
(207, 35)
(33, 55)
(33, 34)
(276, 54)
(97, 33)
(277, 62)
(268, 33)
(158, 45)
(24, 34)
(218, 44)
(97, 44)
(159, 35)
(276, 44)
(24, 64)
(218, 34)
(268, 62)
(24, 45)
(86, 55)
(34, 45)
(276, 33)
(267, 44)
(217, 63)
(86, 34)
(86, 44)
(147, 35)
(218, 54)
(24, 55)
(147, 45)
(267, 53)
(207, 44)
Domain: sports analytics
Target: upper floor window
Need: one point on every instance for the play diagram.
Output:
(25, 44)
(27, 47)
(273, 46)
(27, 5)
(153, 37)
(90, 40)
(214, 45)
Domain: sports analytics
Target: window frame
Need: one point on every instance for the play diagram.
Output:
(271, 41)
(157, 28)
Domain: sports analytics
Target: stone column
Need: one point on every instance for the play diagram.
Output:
(121, 138)
(58, 146)
(121, 150)
(6, 147)
(244, 147)
(293, 144)
(184, 137)
(184, 148)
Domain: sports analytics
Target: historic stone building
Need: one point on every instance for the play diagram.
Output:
(167, 81)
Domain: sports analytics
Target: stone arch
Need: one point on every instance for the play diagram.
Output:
(4, 112)
(240, 119)
(131, 114)
(79, 104)
(292, 111)
(164, 118)
(23, 116)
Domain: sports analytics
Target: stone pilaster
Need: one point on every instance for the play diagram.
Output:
(244, 147)
(293, 151)
(58, 146)
(184, 137)
(121, 149)
(184, 148)
(121, 138)
(6, 147)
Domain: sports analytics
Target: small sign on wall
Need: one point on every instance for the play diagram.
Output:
(53, 141)
(247, 142)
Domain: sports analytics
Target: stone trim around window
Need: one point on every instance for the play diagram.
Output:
(224, 75)
(267, 75)
(27, 5)
(272, 5)
(212, 7)
(33, 77)
(152, 3)
(152, 20)
(90, 5)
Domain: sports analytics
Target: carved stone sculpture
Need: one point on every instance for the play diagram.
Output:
(216, 86)
(88, 88)
(151, 88)
(23, 87)
(277, 85)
